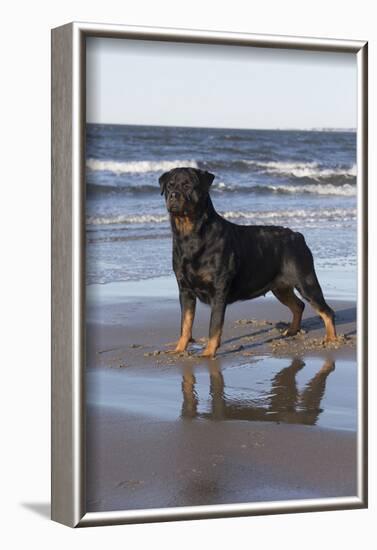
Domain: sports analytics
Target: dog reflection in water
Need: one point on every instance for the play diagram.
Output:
(283, 403)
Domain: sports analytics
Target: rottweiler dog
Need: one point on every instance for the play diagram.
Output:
(220, 262)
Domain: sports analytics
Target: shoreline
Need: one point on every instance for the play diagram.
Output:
(165, 286)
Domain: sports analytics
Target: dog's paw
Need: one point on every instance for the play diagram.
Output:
(333, 340)
(290, 332)
(176, 351)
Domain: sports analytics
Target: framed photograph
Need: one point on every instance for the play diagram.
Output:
(209, 275)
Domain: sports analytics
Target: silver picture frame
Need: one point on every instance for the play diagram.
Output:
(68, 269)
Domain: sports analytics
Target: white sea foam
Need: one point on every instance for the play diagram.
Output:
(138, 166)
(304, 169)
(275, 216)
(137, 219)
(344, 214)
(345, 190)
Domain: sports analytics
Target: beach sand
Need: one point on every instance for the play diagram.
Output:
(269, 419)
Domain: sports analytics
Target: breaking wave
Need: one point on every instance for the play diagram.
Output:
(310, 170)
(345, 189)
(275, 216)
(137, 166)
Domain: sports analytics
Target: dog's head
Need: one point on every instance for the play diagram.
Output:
(185, 190)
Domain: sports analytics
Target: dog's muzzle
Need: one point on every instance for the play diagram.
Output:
(174, 202)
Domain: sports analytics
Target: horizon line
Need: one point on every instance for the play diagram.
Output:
(311, 129)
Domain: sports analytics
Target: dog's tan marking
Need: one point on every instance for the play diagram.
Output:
(205, 276)
(329, 326)
(183, 224)
(213, 344)
(186, 333)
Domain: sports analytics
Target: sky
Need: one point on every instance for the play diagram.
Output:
(161, 83)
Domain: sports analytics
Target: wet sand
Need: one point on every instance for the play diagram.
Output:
(271, 418)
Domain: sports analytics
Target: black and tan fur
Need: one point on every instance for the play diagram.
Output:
(220, 262)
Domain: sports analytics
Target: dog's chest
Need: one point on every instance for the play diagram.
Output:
(199, 279)
(198, 265)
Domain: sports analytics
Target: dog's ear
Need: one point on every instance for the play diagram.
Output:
(163, 181)
(206, 177)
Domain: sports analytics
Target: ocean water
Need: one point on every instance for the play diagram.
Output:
(305, 180)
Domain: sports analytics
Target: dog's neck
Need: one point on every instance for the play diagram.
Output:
(185, 225)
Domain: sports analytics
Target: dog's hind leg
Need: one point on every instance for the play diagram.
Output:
(287, 297)
(310, 289)
(300, 270)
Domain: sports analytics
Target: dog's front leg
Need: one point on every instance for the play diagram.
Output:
(216, 326)
(188, 303)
